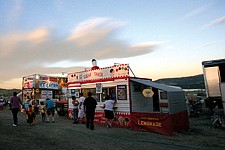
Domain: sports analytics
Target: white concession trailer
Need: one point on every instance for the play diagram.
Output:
(141, 104)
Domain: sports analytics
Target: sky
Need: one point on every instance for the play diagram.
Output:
(157, 38)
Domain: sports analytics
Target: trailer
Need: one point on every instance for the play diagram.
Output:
(141, 103)
(214, 77)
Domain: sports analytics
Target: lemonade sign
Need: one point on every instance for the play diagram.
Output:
(147, 93)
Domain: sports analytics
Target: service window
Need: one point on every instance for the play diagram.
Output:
(163, 101)
(108, 91)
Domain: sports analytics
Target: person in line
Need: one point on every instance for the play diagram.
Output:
(36, 108)
(81, 108)
(89, 107)
(75, 109)
(15, 107)
(50, 106)
(30, 115)
(113, 95)
(108, 109)
(43, 112)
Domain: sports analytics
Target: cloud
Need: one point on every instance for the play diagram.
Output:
(14, 13)
(216, 22)
(197, 11)
(210, 43)
(24, 53)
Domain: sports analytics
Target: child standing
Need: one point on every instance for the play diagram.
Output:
(43, 111)
(30, 115)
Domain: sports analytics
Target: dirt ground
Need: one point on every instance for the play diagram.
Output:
(64, 135)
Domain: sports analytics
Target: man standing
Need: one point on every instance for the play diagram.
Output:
(89, 107)
(50, 106)
(15, 105)
(75, 109)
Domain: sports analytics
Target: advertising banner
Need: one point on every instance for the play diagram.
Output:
(152, 122)
(47, 85)
(122, 92)
(29, 82)
(98, 88)
(46, 94)
(117, 71)
(121, 119)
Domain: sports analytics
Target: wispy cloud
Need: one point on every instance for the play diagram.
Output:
(14, 13)
(210, 43)
(29, 52)
(197, 11)
(215, 22)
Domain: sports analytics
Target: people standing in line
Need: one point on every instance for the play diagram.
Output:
(108, 109)
(81, 108)
(75, 109)
(43, 112)
(50, 106)
(15, 106)
(36, 108)
(89, 107)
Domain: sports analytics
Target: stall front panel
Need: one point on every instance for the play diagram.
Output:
(152, 122)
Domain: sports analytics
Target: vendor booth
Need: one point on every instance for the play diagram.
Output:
(37, 88)
(141, 104)
(164, 112)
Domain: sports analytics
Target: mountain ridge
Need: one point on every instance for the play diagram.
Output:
(189, 82)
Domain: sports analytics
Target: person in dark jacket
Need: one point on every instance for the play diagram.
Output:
(89, 107)
(15, 106)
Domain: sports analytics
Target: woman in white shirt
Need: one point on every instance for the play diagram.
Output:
(81, 108)
(108, 108)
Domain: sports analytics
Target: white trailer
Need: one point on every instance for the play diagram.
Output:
(214, 76)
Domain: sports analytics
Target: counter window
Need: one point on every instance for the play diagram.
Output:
(100, 97)
(108, 91)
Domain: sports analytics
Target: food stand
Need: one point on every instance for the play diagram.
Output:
(141, 104)
(38, 88)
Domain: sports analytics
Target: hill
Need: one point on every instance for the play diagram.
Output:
(191, 82)
(8, 92)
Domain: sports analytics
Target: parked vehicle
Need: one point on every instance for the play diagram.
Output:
(214, 77)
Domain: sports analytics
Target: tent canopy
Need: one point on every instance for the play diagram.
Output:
(176, 96)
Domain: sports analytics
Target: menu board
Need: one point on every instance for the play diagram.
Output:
(122, 92)
(98, 88)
